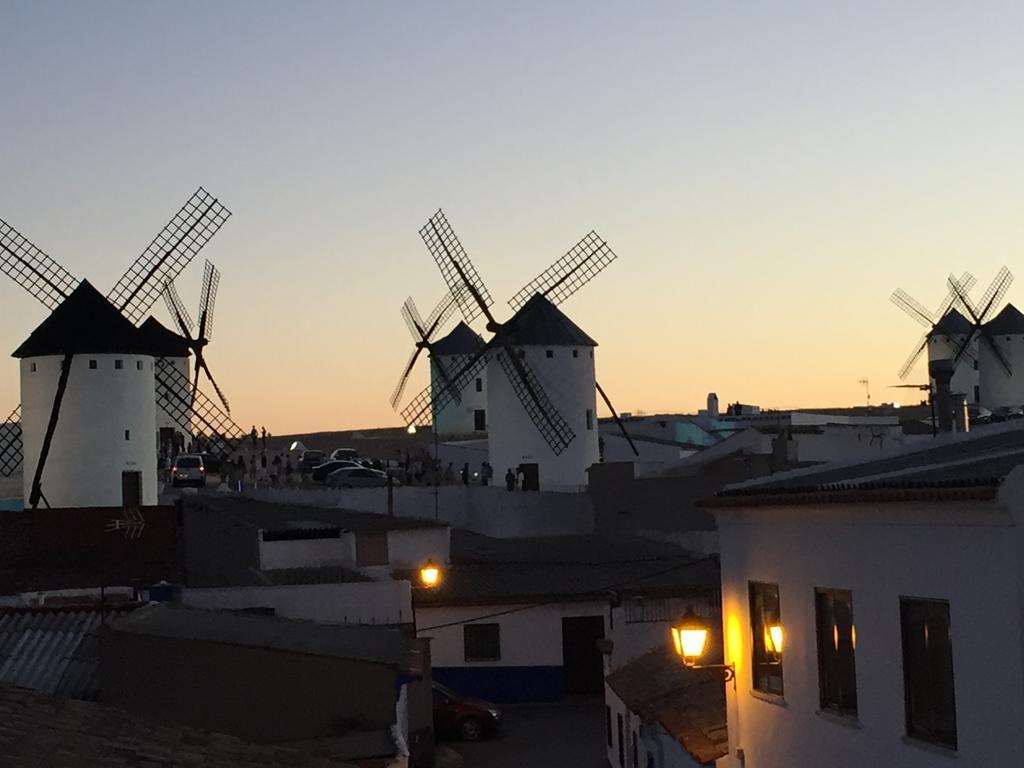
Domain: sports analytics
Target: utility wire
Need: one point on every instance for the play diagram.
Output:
(567, 596)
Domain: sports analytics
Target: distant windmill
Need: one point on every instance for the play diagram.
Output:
(535, 325)
(202, 337)
(119, 313)
(930, 320)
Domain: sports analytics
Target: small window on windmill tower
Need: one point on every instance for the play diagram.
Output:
(118, 365)
(590, 419)
(575, 353)
(138, 365)
(32, 367)
(127, 434)
(479, 385)
(92, 365)
(549, 353)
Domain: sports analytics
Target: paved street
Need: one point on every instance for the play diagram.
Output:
(543, 736)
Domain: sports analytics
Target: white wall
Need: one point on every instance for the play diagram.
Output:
(411, 548)
(457, 417)
(651, 739)
(406, 549)
(377, 602)
(89, 450)
(839, 441)
(531, 637)
(513, 438)
(492, 511)
(997, 388)
(963, 551)
(965, 376)
(633, 639)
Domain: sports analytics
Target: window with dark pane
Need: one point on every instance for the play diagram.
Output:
(608, 724)
(622, 747)
(482, 642)
(928, 671)
(837, 641)
(764, 615)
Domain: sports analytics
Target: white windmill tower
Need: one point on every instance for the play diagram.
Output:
(946, 330)
(466, 413)
(999, 339)
(91, 381)
(541, 386)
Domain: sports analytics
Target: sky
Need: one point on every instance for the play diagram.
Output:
(767, 174)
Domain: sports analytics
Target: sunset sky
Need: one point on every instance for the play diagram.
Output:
(768, 173)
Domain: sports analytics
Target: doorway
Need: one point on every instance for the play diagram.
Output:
(480, 420)
(531, 476)
(131, 490)
(582, 662)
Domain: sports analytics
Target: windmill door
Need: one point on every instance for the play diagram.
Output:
(531, 477)
(131, 490)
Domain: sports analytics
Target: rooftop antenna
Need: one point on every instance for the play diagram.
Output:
(867, 389)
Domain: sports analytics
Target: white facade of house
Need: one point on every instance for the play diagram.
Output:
(568, 381)
(105, 428)
(965, 375)
(655, 747)
(967, 552)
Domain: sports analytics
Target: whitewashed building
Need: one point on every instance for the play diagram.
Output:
(944, 341)
(895, 585)
(468, 414)
(561, 356)
(103, 452)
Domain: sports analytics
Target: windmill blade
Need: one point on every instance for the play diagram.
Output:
(396, 394)
(413, 321)
(434, 402)
(581, 264)
(919, 348)
(201, 363)
(542, 412)
(11, 447)
(961, 298)
(913, 307)
(208, 298)
(51, 427)
(615, 415)
(206, 418)
(177, 309)
(169, 253)
(922, 387)
(995, 293)
(439, 316)
(457, 270)
(32, 269)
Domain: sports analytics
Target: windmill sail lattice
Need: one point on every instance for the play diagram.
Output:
(923, 316)
(583, 262)
(10, 443)
(207, 419)
(32, 269)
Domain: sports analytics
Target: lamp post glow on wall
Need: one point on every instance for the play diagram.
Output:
(430, 574)
(690, 639)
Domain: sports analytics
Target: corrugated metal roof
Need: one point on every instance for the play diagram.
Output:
(52, 650)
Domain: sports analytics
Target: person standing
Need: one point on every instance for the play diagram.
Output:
(252, 470)
(253, 436)
(465, 473)
(510, 480)
(449, 474)
(288, 469)
(275, 469)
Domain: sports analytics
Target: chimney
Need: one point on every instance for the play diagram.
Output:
(712, 405)
(942, 372)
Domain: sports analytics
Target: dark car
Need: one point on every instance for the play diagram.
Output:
(212, 462)
(468, 718)
(310, 460)
(321, 471)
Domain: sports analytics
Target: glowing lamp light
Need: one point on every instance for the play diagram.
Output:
(430, 574)
(774, 638)
(411, 429)
(294, 446)
(689, 637)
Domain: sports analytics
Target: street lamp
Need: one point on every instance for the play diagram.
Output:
(430, 574)
(690, 639)
(411, 429)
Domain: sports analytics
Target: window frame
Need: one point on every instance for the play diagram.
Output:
(934, 736)
(833, 653)
(760, 656)
(473, 654)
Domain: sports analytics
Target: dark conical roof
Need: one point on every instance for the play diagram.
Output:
(1008, 322)
(162, 341)
(84, 322)
(951, 324)
(463, 340)
(541, 323)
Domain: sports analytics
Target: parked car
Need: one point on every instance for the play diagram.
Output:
(188, 469)
(468, 718)
(309, 460)
(211, 462)
(358, 477)
(321, 472)
(345, 454)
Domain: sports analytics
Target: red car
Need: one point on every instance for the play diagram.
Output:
(457, 715)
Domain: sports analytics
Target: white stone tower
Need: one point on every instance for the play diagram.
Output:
(453, 352)
(944, 340)
(999, 388)
(102, 452)
(561, 356)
